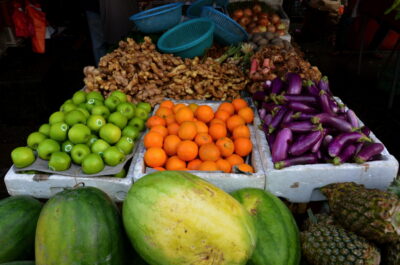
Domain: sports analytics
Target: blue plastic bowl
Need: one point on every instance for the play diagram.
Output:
(227, 31)
(159, 18)
(188, 39)
(194, 10)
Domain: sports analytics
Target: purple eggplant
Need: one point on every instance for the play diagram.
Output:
(267, 85)
(340, 141)
(303, 116)
(327, 139)
(319, 155)
(303, 145)
(269, 106)
(315, 148)
(288, 117)
(260, 96)
(276, 120)
(312, 88)
(323, 85)
(352, 118)
(262, 113)
(294, 83)
(276, 86)
(326, 107)
(368, 151)
(267, 119)
(359, 146)
(300, 160)
(335, 122)
(271, 139)
(300, 126)
(296, 98)
(297, 106)
(281, 144)
(365, 130)
(345, 155)
(333, 104)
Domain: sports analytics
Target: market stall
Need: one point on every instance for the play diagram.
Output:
(206, 130)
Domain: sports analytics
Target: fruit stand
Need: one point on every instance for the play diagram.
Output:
(203, 138)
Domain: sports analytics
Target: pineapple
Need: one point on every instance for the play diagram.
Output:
(321, 218)
(370, 213)
(331, 245)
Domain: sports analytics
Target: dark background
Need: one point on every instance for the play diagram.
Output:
(32, 86)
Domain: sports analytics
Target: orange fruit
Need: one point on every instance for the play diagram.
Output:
(241, 131)
(224, 165)
(194, 164)
(234, 121)
(153, 139)
(177, 107)
(187, 150)
(184, 114)
(201, 127)
(173, 128)
(203, 138)
(245, 168)
(225, 146)
(208, 166)
(222, 115)
(155, 157)
(209, 152)
(160, 129)
(174, 163)
(170, 119)
(193, 106)
(217, 131)
(217, 121)
(171, 143)
(235, 159)
(159, 168)
(247, 114)
(228, 107)
(167, 104)
(187, 130)
(243, 146)
(163, 112)
(239, 103)
(204, 113)
(155, 120)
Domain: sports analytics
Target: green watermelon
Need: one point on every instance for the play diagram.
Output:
(278, 239)
(18, 218)
(176, 218)
(80, 226)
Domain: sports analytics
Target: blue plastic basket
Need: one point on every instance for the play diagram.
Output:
(159, 18)
(194, 10)
(188, 39)
(227, 31)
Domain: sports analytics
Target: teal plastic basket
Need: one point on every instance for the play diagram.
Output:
(188, 39)
(194, 10)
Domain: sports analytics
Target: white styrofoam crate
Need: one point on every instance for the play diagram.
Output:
(301, 183)
(226, 181)
(45, 186)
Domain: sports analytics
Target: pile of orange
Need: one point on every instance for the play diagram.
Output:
(194, 137)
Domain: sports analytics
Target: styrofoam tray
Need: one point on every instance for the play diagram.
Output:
(226, 181)
(301, 183)
(47, 185)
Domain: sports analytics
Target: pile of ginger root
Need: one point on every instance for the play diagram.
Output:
(146, 75)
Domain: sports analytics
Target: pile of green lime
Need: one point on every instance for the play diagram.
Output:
(88, 130)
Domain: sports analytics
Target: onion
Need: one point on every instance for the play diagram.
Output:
(275, 19)
(247, 12)
(244, 21)
(263, 22)
(262, 28)
(238, 13)
(281, 32)
(262, 15)
(257, 8)
(251, 26)
(271, 28)
(255, 30)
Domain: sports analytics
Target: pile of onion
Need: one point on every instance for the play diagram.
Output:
(254, 20)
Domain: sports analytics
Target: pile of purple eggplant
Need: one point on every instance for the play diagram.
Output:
(304, 124)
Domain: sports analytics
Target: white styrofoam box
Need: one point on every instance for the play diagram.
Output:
(45, 186)
(227, 181)
(301, 183)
